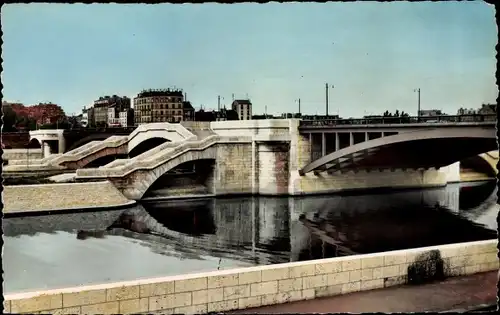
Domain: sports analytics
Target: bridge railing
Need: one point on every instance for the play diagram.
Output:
(400, 120)
(160, 158)
(102, 130)
(80, 153)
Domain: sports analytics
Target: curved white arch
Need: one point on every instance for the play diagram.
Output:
(429, 134)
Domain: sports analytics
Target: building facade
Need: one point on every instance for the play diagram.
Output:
(163, 105)
(123, 118)
(243, 108)
(487, 109)
(431, 113)
(88, 117)
(103, 104)
(188, 111)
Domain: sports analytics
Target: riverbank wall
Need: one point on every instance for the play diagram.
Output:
(25, 155)
(233, 289)
(45, 198)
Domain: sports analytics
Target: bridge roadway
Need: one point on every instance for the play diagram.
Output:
(275, 156)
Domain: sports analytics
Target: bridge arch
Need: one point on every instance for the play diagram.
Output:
(87, 139)
(419, 149)
(94, 161)
(137, 140)
(146, 145)
(137, 183)
(484, 163)
(34, 143)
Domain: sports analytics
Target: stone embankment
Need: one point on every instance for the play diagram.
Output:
(29, 199)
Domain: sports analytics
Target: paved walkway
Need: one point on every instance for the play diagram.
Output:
(454, 294)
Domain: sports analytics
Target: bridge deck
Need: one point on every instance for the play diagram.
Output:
(454, 294)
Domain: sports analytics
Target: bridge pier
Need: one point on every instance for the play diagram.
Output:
(451, 172)
(46, 149)
(273, 167)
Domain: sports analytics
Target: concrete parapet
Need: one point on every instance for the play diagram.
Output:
(250, 128)
(228, 290)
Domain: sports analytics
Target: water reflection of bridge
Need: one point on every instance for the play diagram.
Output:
(270, 230)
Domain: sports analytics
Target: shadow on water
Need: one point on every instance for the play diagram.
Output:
(192, 235)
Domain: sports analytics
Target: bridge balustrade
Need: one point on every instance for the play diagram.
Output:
(400, 120)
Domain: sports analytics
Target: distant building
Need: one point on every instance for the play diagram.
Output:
(488, 109)
(120, 118)
(431, 113)
(88, 117)
(291, 115)
(465, 111)
(102, 105)
(243, 108)
(222, 115)
(75, 121)
(320, 117)
(188, 111)
(164, 105)
(126, 118)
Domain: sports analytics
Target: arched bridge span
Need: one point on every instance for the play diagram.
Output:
(80, 137)
(136, 183)
(419, 149)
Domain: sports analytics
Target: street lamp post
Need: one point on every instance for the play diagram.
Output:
(418, 103)
(327, 94)
(298, 100)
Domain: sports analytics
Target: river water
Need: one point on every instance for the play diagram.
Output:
(176, 237)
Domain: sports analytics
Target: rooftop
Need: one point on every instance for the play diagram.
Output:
(242, 102)
(187, 105)
(160, 92)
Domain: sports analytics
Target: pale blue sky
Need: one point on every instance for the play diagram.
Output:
(375, 54)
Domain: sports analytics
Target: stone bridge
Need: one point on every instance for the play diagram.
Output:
(135, 176)
(140, 140)
(278, 157)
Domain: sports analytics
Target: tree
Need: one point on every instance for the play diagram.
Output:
(232, 115)
(9, 119)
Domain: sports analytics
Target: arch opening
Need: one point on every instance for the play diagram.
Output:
(34, 143)
(86, 140)
(146, 145)
(477, 164)
(191, 178)
(53, 145)
(104, 160)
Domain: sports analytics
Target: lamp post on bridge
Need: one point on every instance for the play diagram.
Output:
(298, 100)
(327, 96)
(418, 103)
